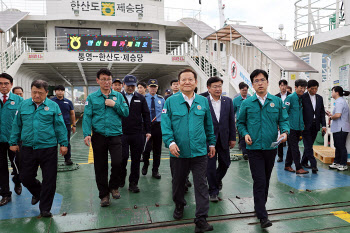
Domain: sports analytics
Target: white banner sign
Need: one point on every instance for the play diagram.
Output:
(238, 74)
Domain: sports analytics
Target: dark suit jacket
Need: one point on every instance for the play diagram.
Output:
(225, 128)
(205, 94)
(279, 94)
(308, 111)
(139, 115)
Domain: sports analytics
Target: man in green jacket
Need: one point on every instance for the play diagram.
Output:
(294, 107)
(243, 89)
(39, 125)
(9, 104)
(258, 122)
(102, 126)
(187, 128)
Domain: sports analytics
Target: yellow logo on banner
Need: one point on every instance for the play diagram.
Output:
(75, 42)
(108, 8)
(292, 76)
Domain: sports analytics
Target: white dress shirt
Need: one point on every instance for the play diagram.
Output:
(262, 100)
(216, 107)
(284, 96)
(313, 101)
(189, 101)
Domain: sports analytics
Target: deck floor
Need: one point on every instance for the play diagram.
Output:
(296, 203)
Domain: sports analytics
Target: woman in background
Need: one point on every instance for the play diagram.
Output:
(340, 128)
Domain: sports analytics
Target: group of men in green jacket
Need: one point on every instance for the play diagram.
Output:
(34, 127)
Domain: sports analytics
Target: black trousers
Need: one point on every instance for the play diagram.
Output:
(280, 149)
(135, 142)
(180, 168)
(101, 145)
(341, 154)
(68, 155)
(293, 153)
(261, 163)
(309, 137)
(242, 144)
(155, 144)
(30, 162)
(215, 175)
(4, 171)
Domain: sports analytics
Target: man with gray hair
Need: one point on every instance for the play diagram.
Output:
(39, 125)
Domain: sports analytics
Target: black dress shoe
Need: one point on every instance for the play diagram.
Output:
(5, 200)
(245, 156)
(35, 200)
(46, 214)
(68, 162)
(133, 188)
(314, 170)
(18, 189)
(265, 222)
(156, 175)
(144, 170)
(203, 226)
(305, 165)
(178, 212)
(279, 160)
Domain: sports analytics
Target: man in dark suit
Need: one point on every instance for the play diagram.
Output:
(223, 116)
(205, 94)
(283, 84)
(314, 117)
(133, 134)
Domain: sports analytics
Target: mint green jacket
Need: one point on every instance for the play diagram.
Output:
(237, 102)
(262, 122)
(103, 119)
(294, 107)
(39, 127)
(7, 114)
(192, 129)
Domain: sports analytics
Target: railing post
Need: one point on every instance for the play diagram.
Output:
(337, 14)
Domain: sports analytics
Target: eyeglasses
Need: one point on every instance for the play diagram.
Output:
(256, 81)
(106, 80)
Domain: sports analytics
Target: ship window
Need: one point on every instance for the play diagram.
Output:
(152, 33)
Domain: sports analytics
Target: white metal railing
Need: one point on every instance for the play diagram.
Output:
(11, 54)
(36, 44)
(315, 16)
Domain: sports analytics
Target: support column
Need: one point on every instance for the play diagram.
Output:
(86, 92)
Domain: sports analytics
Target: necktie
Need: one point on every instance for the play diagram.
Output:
(5, 99)
(153, 109)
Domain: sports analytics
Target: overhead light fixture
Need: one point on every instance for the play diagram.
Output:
(76, 12)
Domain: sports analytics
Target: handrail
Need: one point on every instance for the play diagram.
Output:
(316, 17)
(11, 54)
